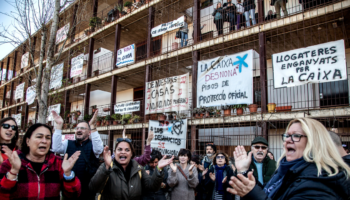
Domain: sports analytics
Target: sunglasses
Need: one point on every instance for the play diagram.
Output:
(220, 157)
(7, 126)
(124, 140)
(258, 147)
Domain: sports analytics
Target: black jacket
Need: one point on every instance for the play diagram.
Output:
(248, 5)
(269, 168)
(160, 194)
(210, 185)
(230, 9)
(347, 159)
(303, 183)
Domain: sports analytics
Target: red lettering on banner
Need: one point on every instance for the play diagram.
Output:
(180, 91)
(183, 79)
(161, 145)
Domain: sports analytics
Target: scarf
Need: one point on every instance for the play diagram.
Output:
(219, 176)
(276, 181)
(207, 159)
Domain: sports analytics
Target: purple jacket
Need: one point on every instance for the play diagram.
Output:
(146, 157)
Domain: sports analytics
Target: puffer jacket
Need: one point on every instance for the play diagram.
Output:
(303, 183)
(117, 187)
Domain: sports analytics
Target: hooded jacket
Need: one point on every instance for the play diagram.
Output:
(117, 187)
(303, 183)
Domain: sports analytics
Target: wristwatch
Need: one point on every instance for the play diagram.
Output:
(70, 177)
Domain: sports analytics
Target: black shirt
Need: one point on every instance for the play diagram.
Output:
(126, 172)
(35, 166)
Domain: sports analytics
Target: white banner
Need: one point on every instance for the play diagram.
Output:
(19, 91)
(56, 76)
(30, 95)
(167, 95)
(24, 60)
(77, 64)
(315, 64)
(169, 136)
(226, 80)
(56, 108)
(127, 107)
(126, 56)
(62, 33)
(68, 137)
(163, 28)
(18, 118)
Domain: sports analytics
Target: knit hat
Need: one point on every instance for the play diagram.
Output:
(260, 140)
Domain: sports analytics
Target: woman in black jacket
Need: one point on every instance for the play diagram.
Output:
(216, 181)
(309, 168)
(218, 18)
(249, 9)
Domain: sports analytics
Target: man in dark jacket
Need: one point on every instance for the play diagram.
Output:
(263, 166)
(337, 141)
(230, 14)
(210, 150)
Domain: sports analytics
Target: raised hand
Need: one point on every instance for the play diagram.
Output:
(147, 171)
(173, 167)
(107, 157)
(233, 167)
(5, 149)
(164, 162)
(150, 137)
(68, 164)
(190, 170)
(200, 167)
(13, 158)
(1, 159)
(93, 119)
(242, 160)
(204, 173)
(224, 180)
(124, 136)
(212, 176)
(58, 120)
(241, 186)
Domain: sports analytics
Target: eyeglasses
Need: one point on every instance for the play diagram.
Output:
(220, 157)
(257, 147)
(7, 126)
(124, 139)
(295, 137)
(81, 128)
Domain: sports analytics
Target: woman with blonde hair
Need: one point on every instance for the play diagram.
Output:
(309, 168)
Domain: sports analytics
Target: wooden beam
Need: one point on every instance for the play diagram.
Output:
(150, 26)
(91, 57)
(2, 68)
(4, 99)
(74, 23)
(7, 68)
(196, 21)
(87, 98)
(113, 93)
(118, 32)
(193, 138)
(195, 58)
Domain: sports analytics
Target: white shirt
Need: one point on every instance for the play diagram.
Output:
(61, 147)
(239, 8)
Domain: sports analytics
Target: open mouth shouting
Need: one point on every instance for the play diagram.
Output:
(123, 158)
(9, 134)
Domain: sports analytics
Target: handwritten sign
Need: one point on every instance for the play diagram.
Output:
(24, 60)
(56, 76)
(19, 91)
(126, 56)
(30, 95)
(18, 118)
(167, 95)
(169, 136)
(315, 64)
(77, 65)
(62, 33)
(127, 107)
(163, 28)
(226, 80)
(56, 108)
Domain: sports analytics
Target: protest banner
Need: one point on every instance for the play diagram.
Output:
(19, 91)
(163, 28)
(18, 118)
(169, 136)
(77, 65)
(226, 80)
(127, 107)
(68, 137)
(167, 95)
(24, 60)
(56, 76)
(62, 33)
(56, 108)
(314, 64)
(30, 95)
(126, 56)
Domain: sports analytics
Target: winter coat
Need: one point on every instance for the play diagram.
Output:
(269, 168)
(248, 5)
(220, 11)
(47, 185)
(157, 195)
(347, 159)
(210, 185)
(182, 189)
(117, 187)
(303, 183)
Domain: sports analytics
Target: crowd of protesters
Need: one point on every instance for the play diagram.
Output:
(314, 165)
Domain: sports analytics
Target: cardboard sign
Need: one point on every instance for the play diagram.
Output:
(169, 136)
(77, 65)
(126, 56)
(226, 80)
(163, 28)
(24, 60)
(56, 76)
(127, 107)
(62, 33)
(30, 95)
(167, 95)
(56, 108)
(19, 91)
(315, 64)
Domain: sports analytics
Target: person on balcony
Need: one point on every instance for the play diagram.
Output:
(184, 33)
(278, 5)
(270, 16)
(230, 10)
(249, 9)
(218, 18)
(91, 149)
(8, 136)
(239, 12)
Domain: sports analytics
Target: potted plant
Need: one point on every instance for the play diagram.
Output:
(95, 22)
(271, 107)
(283, 108)
(66, 114)
(107, 120)
(116, 118)
(96, 72)
(74, 115)
(240, 108)
(253, 108)
(126, 118)
(78, 113)
(98, 121)
(119, 7)
(161, 117)
(87, 32)
(87, 117)
(195, 112)
(170, 116)
(202, 111)
(127, 4)
(227, 109)
(217, 113)
(94, 108)
(135, 118)
(209, 111)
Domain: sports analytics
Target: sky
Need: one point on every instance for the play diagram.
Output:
(5, 21)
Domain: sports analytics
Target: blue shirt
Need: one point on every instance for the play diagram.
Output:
(259, 167)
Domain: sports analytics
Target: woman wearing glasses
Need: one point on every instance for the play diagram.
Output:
(8, 136)
(309, 168)
(218, 177)
(34, 172)
(123, 178)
